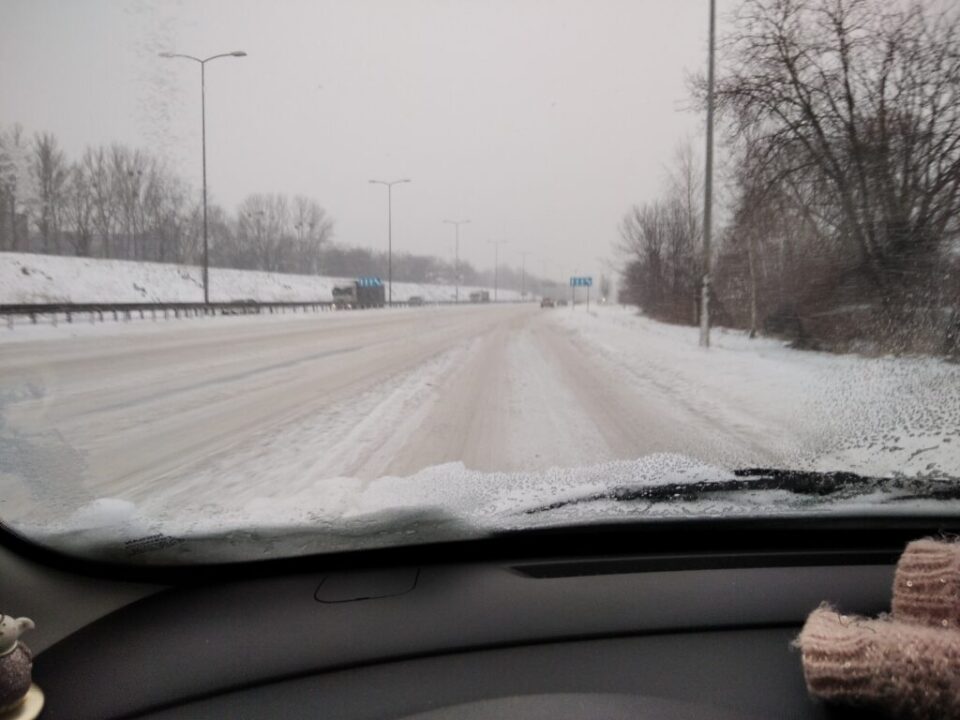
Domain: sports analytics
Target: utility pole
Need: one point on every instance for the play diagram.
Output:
(523, 272)
(456, 263)
(496, 265)
(389, 185)
(708, 191)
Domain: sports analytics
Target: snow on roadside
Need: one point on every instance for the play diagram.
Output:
(888, 416)
(27, 278)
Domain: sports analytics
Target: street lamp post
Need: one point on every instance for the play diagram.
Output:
(456, 261)
(203, 139)
(523, 272)
(496, 266)
(389, 185)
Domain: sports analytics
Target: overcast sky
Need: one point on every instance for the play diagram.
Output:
(541, 121)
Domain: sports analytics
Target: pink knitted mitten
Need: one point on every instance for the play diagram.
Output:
(910, 670)
(926, 588)
(907, 664)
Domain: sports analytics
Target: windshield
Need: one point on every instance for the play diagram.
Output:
(286, 278)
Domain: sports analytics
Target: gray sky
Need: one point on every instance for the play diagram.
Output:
(540, 120)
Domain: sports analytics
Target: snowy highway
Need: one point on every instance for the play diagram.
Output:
(165, 407)
(230, 410)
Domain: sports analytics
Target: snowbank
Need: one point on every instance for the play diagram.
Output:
(27, 278)
(888, 416)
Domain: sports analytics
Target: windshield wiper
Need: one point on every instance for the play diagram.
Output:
(823, 485)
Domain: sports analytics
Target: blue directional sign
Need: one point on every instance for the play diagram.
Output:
(581, 281)
(370, 282)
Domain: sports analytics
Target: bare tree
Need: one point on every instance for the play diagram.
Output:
(98, 179)
(265, 230)
(49, 169)
(278, 234)
(313, 229)
(853, 103)
(167, 214)
(643, 236)
(79, 211)
(130, 174)
(663, 240)
(16, 185)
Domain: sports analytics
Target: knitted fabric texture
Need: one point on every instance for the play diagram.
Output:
(910, 670)
(926, 588)
(907, 664)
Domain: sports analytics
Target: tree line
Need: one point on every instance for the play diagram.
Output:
(124, 203)
(840, 198)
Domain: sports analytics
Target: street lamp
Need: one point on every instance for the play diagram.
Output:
(389, 184)
(203, 135)
(496, 264)
(456, 262)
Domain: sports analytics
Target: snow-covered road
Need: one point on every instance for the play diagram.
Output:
(226, 413)
(191, 409)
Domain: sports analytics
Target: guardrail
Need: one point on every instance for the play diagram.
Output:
(128, 311)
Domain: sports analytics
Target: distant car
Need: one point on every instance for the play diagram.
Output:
(415, 301)
(547, 302)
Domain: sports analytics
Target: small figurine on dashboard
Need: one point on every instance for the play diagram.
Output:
(16, 663)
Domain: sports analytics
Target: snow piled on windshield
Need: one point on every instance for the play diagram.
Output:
(450, 502)
(443, 502)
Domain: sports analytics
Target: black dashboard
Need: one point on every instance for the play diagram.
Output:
(661, 635)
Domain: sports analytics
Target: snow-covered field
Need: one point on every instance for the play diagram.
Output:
(885, 416)
(28, 278)
(229, 438)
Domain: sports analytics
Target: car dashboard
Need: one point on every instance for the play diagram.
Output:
(567, 634)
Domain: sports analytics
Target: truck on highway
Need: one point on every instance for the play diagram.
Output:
(362, 293)
(480, 296)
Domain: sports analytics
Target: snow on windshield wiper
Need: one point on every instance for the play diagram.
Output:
(821, 485)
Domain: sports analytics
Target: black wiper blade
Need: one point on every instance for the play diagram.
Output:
(803, 482)
(797, 482)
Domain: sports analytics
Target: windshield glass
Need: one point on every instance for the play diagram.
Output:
(285, 278)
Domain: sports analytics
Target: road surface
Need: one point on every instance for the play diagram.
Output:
(239, 408)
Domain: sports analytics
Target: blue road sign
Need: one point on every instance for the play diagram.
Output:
(370, 282)
(581, 281)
